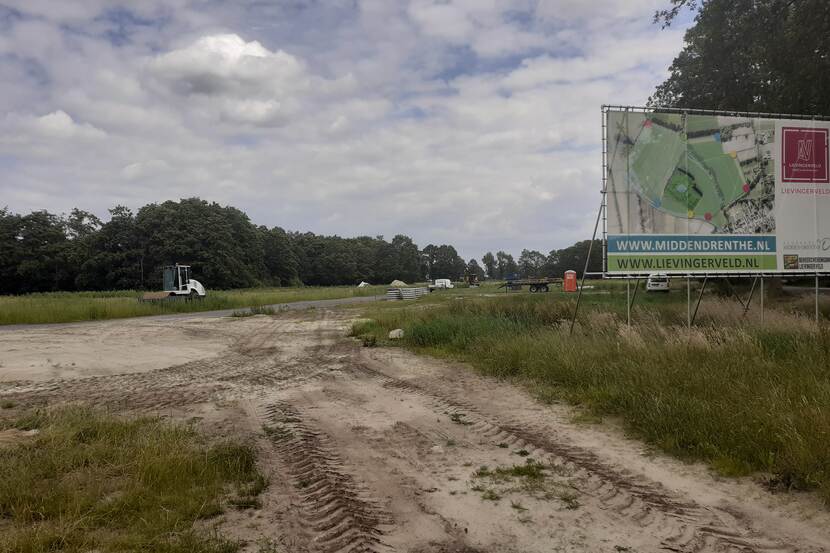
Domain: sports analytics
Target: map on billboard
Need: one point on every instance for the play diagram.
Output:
(715, 193)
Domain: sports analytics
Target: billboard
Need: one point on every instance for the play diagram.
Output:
(712, 193)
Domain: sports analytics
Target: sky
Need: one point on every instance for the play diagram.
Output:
(475, 123)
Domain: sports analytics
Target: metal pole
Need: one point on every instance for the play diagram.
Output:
(585, 270)
(762, 299)
(600, 214)
(628, 300)
(634, 295)
(734, 292)
(751, 293)
(689, 301)
(699, 297)
(816, 298)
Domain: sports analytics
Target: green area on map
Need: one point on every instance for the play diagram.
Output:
(698, 167)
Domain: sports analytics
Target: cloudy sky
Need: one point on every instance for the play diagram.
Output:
(470, 122)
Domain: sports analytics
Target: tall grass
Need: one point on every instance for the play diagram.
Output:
(93, 482)
(742, 395)
(61, 307)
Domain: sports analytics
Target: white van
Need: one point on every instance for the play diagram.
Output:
(441, 283)
(657, 282)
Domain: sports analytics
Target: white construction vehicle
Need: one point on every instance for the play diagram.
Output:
(177, 284)
(441, 283)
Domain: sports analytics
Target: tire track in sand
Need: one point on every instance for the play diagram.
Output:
(337, 510)
(678, 524)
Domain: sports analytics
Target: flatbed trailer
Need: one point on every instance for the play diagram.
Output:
(535, 284)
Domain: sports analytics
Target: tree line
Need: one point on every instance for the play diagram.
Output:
(42, 251)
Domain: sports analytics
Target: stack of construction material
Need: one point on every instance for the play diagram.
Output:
(406, 293)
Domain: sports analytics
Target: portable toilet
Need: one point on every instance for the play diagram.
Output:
(569, 283)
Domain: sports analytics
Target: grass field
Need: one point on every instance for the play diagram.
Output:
(63, 307)
(683, 177)
(88, 481)
(743, 395)
(696, 123)
(654, 159)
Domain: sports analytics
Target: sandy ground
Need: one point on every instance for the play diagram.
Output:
(106, 348)
(378, 450)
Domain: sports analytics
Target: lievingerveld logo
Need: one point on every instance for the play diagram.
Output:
(804, 155)
(820, 245)
(806, 151)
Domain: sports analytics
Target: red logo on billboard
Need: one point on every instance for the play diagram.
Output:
(805, 156)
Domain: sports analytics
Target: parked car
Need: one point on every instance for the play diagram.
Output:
(657, 282)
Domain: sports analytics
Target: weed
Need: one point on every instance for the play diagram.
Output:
(532, 470)
(246, 502)
(92, 481)
(490, 495)
(569, 499)
(503, 445)
(254, 487)
(523, 453)
(268, 545)
(7, 404)
(518, 506)
(584, 417)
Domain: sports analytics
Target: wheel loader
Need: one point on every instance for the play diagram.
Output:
(177, 284)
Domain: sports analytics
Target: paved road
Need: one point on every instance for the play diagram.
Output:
(292, 306)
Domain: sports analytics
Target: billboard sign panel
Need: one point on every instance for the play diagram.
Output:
(713, 193)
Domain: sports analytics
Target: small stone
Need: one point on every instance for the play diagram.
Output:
(396, 334)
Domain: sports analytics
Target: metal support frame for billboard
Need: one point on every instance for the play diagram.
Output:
(602, 214)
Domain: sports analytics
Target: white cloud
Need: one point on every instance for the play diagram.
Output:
(55, 126)
(143, 169)
(237, 81)
(472, 122)
(444, 20)
(227, 65)
(482, 25)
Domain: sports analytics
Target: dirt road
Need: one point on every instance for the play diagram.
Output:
(377, 450)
